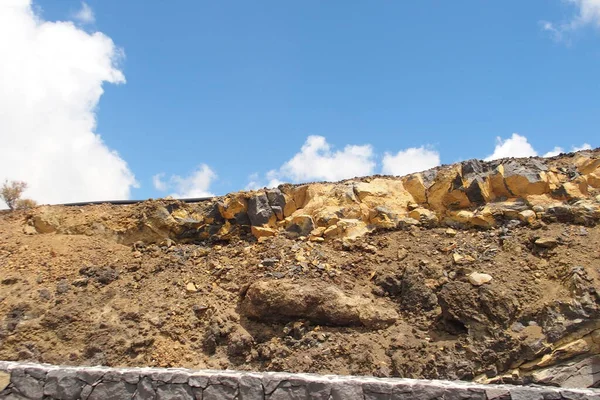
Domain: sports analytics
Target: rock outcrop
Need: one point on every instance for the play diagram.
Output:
(468, 194)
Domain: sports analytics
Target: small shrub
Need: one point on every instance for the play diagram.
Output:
(11, 193)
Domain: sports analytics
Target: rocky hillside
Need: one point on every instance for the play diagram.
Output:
(485, 271)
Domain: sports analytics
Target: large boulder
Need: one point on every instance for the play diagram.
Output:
(284, 301)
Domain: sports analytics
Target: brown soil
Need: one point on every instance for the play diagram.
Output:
(393, 303)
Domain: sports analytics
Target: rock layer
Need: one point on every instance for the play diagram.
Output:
(468, 194)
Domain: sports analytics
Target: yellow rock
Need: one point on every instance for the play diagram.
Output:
(318, 231)
(575, 190)
(332, 231)
(424, 216)
(478, 279)
(190, 287)
(260, 232)
(565, 352)
(232, 206)
(593, 180)
(436, 194)
(586, 164)
(483, 218)
(520, 185)
(364, 189)
(290, 206)
(463, 216)
(180, 213)
(450, 232)
(527, 216)
(353, 228)
(4, 380)
(299, 195)
(496, 183)
(415, 187)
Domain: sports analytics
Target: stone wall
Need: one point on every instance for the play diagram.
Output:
(35, 381)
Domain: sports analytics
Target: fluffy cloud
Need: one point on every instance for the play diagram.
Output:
(52, 78)
(411, 160)
(588, 13)
(197, 184)
(515, 146)
(85, 15)
(519, 146)
(317, 161)
(557, 150)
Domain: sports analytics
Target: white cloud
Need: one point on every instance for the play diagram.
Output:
(585, 146)
(515, 146)
(52, 77)
(317, 161)
(414, 159)
(159, 183)
(197, 184)
(557, 150)
(588, 13)
(85, 15)
(554, 152)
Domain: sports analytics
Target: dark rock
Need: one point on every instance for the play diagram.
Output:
(277, 202)
(220, 392)
(145, 389)
(63, 385)
(62, 287)
(112, 391)
(174, 391)
(415, 295)
(302, 225)
(27, 385)
(269, 262)
(259, 210)
(102, 275)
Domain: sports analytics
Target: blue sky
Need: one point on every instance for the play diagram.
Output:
(218, 96)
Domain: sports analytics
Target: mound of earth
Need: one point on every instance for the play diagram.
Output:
(474, 271)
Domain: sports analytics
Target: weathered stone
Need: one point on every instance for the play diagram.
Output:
(277, 202)
(527, 216)
(346, 391)
(301, 225)
(27, 386)
(319, 390)
(259, 210)
(320, 303)
(565, 352)
(250, 388)
(145, 389)
(219, 392)
(112, 391)
(232, 207)
(174, 391)
(63, 385)
(478, 279)
(494, 393)
(260, 232)
(4, 380)
(198, 381)
(424, 216)
(526, 394)
(583, 373)
(547, 242)
(287, 391)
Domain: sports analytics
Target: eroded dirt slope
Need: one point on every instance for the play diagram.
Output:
(388, 292)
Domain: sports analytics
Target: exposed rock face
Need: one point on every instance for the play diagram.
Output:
(469, 194)
(484, 271)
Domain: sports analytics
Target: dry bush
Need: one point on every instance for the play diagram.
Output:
(11, 193)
